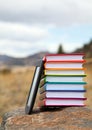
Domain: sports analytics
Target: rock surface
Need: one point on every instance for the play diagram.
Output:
(66, 118)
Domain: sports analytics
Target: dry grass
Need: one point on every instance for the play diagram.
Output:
(89, 84)
(14, 87)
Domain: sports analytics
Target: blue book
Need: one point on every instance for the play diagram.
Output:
(57, 86)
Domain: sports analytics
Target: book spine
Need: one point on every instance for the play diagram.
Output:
(61, 68)
(84, 83)
(64, 68)
(65, 90)
(43, 102)
(66, 61)
(65, 54)
(66, 98)
(60, 105)
(68, 75)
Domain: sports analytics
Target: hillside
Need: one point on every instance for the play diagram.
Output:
(29, 61)
(34, 59)
(87, 49)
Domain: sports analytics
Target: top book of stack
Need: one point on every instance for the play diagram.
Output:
(64, 61)
(77, 57)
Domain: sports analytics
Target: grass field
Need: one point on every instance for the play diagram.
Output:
(14, 87)
(89, 83)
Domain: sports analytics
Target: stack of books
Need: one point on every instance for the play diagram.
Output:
(63, 83)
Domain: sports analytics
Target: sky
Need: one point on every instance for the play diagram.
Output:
(31, 26)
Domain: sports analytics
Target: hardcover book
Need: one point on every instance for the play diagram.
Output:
(63, 65)
(64, 72)
(63, 94)
(51, 86)
(59, 78)
(62, 102)
(65, 57)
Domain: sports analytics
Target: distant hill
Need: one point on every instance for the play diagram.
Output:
(87, 49)
(7, 60)
(34, 59)
(29, 61)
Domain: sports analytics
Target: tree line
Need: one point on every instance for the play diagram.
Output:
(87, 49)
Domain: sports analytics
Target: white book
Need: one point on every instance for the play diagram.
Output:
(64, 72)
(59, 94)
(63, 79)
(63, 65)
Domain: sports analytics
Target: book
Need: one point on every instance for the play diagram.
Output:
(61, 87)
(65, 57)
(63, 82)
(43, 81)
(62, 102)
(64, 72)
(66, 78)
(63, 94)
(63, 65)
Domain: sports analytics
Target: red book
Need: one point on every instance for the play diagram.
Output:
(62, 102)
(65, 57)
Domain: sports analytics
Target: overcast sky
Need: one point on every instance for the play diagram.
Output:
(30, 26)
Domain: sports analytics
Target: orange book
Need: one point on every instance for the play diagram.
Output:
(68, 72)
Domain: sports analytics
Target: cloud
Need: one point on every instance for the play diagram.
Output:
(22, 32)
(18, 48)
(18, 39)
(22, 49)
(27, 26)
(58, 12)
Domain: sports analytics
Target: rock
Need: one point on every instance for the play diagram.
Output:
(65, 118)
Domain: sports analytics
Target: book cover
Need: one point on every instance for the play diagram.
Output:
(64, 72)
(62, 87)
(64, 68)
(63, 94)
(65, 57)
(63, 65)
(66, 78)
(44, 81)
(62, 102)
